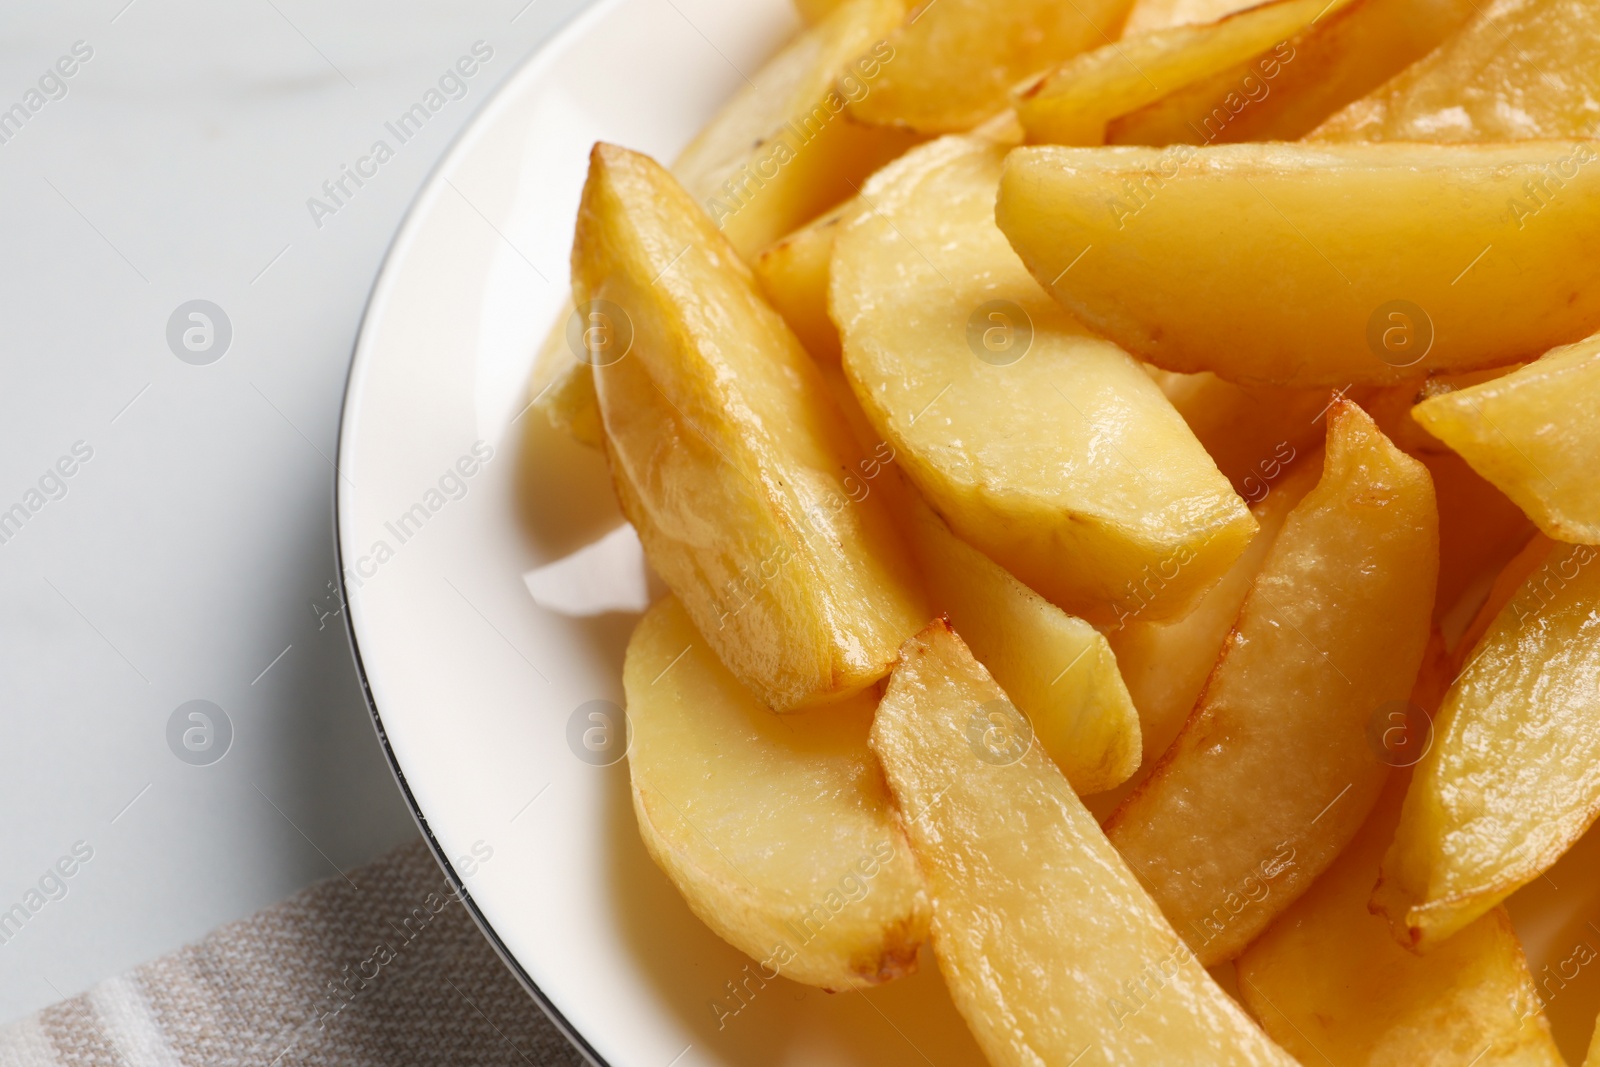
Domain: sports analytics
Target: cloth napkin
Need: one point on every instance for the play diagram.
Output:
(382, 966)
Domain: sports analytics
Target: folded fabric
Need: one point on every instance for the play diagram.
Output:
(378, 967)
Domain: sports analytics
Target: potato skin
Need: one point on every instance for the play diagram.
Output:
(727, 453)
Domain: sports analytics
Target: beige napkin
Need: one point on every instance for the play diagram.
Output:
(381, 967)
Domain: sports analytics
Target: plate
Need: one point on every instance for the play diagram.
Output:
(492, 586)
(456, 505)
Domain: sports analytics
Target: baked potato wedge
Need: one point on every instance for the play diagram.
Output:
(1166, 664)
(1506, 587)
(1287, 90)
(1044, 447)
(1058, 670)
(570, 403)
(1480, 529)
(779, 832)
(1148, 16)
(1333, 630)
(1301, 264)
(1535, 434)
(561, 387)
(1252, 432)
(794, 269)
(955, 61)
(782, 151)
(1073, 103)
(1331, 986)
(814, 11)
(1052, 952)
(727, 453)
(794, 276)
(1479, 821)
(1523, 69)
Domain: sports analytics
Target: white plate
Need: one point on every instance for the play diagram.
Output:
(471, 682)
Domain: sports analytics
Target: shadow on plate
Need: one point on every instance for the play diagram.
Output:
(563, 491)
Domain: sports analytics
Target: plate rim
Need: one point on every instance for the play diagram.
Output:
(564, 35)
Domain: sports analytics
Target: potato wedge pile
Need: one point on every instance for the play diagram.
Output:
(1126, 478)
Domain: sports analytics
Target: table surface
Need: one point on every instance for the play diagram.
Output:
(166, 524)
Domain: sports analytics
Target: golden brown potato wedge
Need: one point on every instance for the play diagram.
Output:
(1148, 16)
(794, 270)
(1253, 432)
(1165, 664)
(1058, 670)
(779, 833)
(1330, 985)
(1043, 446)
(1313, 264)
(570, 403)
(1535, 434)
(1522, 69)
(727, 453)
(1288, 89)
(1507, 585)
(1333, 630)
(562, 386)
(1480, 529)
(1050, 949)
(1513, 777)
(815, 11)
(794, 275)
(1073, 103)
(782, 150)
(953, 63)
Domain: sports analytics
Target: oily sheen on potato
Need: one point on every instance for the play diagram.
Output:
(1327, 980)
(778, 832)
(1332, 632)
(1535, 434)
(1513, 776)
(727, 453)
(782, 150)
(1043, 446)
(1315, 264)
(1051, 951)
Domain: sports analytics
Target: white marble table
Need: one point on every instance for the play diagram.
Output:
(165, 505)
